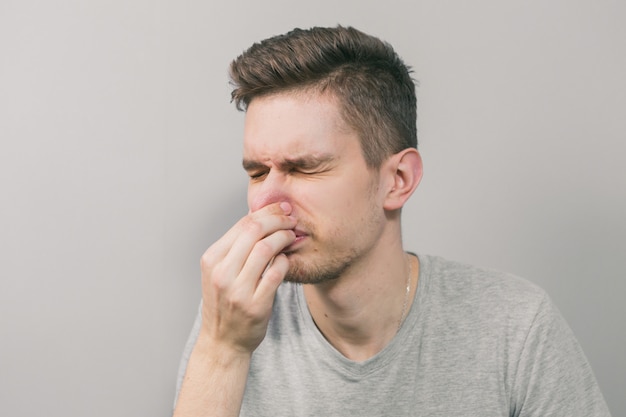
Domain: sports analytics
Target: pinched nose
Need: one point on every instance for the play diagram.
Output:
(273, 189)
(257, 203)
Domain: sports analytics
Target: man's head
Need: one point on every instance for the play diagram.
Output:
(370, 82)
(330, 130)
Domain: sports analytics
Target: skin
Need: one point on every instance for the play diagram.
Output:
(319, 170)
(318, 215)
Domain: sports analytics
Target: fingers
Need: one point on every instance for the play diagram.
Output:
(259, 261)
(259, 241)
(246, 232)
(272, 277)
(245, 250)
(237, 302)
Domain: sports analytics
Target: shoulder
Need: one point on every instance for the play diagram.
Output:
(481, 296)
(461, 280)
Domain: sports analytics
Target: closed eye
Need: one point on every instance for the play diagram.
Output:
(257, 175)
(294, 170)
(306, 165)
(301, 171)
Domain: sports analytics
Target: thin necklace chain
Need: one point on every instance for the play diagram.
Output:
(408, 291)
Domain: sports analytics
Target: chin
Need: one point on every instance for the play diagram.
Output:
(311, 272)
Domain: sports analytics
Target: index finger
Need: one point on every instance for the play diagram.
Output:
(250, 229)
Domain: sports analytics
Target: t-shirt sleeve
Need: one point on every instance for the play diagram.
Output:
(191, 342)
(553, 376)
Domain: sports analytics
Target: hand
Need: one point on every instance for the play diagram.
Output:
(241, 273)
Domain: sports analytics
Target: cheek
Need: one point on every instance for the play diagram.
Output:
(341, 210)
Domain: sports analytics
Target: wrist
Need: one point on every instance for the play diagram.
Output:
(219, 353)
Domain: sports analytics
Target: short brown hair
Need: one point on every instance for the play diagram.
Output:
(371, 82)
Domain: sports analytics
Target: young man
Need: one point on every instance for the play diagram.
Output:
(330, 148)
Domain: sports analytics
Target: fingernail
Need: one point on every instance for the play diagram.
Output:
(286, 207)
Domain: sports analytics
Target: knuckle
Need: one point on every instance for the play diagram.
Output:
(217, 279)
(208, 259)
(252, 226)
(264, 248)
(278, 269)
(218, 283)
(236, 303)
(243, 308)
(273, 274)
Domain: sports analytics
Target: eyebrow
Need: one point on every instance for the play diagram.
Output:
(303, 162)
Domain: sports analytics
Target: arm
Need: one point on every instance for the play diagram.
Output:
(214, 381)
(236, 307)
(554, 377)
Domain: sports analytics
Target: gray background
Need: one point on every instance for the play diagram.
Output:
(120, 164)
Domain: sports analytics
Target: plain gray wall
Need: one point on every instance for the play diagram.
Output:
(120, 164)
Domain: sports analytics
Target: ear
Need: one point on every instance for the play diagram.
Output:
(404, 171)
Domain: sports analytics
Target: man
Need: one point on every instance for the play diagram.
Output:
(330, 149)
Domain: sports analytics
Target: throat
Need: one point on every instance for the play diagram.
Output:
(357, 343)
(360, 320)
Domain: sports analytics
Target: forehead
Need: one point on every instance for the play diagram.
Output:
(297, 124)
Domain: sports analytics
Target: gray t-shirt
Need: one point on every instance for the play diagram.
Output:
(475, 343)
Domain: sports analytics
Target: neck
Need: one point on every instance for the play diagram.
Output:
(359, 313)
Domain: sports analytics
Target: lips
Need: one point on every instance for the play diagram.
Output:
(300, 234)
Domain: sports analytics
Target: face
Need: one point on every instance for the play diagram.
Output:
(297, 149)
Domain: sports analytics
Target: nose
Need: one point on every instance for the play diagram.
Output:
(271, 189)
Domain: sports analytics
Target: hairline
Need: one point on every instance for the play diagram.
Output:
(322, 88)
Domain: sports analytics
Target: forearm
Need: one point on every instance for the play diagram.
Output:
(214, 382)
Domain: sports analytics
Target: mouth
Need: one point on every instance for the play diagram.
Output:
(300, 236)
